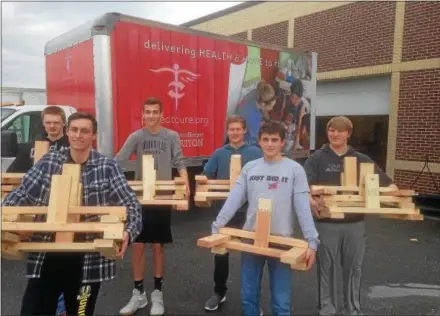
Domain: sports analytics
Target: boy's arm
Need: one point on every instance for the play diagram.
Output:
(236, 198)
(211, 166)
(177, 161)
(384, 179)
(121, 194)
(311, 168)
(127, 149)
(301, 204)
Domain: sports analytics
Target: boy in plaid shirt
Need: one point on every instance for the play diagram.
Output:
(77, 275)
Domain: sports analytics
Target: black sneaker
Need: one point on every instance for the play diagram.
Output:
(214, 301)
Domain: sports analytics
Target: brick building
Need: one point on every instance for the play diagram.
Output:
(378, 63)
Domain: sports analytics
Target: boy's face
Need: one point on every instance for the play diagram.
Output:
(236, 132)
(271, 144)
(152, 115)
(295, 99)
(53, 124)
(80, 134)
(337, 138)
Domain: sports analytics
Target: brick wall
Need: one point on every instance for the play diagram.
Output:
(241, 35)
(353, 35)
(276, 34)
(404, 179)
(418, 127)
(421, 34)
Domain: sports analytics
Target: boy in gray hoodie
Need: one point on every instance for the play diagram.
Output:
(342, 240)
(284, 182)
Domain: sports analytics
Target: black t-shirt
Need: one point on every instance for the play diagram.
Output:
(25, 156)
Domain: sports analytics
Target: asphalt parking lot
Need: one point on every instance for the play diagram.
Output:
(401, 273)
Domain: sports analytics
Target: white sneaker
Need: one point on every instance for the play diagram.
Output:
(157, 307)
(137, 301)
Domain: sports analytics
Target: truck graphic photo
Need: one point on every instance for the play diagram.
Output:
(111, 65)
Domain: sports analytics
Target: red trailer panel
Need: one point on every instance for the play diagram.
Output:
(181, 70)
(70, 77)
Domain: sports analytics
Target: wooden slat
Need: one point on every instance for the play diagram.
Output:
(203, 179)
(234, 170)
(121, 211)
(73, 170)
(213, 240)
(280, 240)
(365, 168)
(372, 191)
(89, 227)
(41, 148)
(148, 177)
(59, 199)
(363, 210)
(350, 172)
(262, 227)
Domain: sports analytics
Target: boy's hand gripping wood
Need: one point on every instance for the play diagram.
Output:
(57, 222)
(226, 240)
(366, 198)
(149, 187)
(208, 190)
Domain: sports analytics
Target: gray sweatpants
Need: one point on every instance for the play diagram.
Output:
(344, 242)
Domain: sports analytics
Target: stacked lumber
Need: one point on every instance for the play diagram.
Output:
(147, 189)
(290, 251)
(364, 195)
(208, 190)
(63, 217)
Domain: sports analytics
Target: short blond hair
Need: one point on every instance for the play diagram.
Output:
(341, 124)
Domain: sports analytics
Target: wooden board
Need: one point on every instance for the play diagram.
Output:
(209, 190)
(365, 196)
(226, 240)
(59, 211)
(151, 191)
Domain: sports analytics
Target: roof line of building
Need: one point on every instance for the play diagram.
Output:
(221, 13)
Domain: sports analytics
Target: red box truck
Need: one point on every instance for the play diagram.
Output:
(111, 65)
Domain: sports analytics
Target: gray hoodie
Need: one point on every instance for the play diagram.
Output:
(285, 183)
(164, 147)
(324, 167)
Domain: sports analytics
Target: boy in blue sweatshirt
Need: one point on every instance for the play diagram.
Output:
(218, 167)
(284, 182)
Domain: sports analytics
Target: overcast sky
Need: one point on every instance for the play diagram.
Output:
(27, 26)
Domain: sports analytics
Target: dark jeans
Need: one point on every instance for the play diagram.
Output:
(61, 273)
(221, 262)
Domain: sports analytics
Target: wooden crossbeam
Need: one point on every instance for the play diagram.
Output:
(149, 187)
(208, 190)
(41, 148)
(263, 242)
(365, 196)
(62, 218)
(10, 181)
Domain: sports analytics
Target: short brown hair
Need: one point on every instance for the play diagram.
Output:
(154, 101)
(340, 123)
(265, 93)
(53, 110)
(272, 127)
(83, 115)
(236, 119)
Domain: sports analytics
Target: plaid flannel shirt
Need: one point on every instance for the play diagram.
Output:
(104, 184)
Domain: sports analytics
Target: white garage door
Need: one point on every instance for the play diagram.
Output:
(364, 96)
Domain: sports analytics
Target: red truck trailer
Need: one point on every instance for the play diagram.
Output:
(111, 65)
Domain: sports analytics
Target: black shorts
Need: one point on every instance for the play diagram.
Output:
(156, 225)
